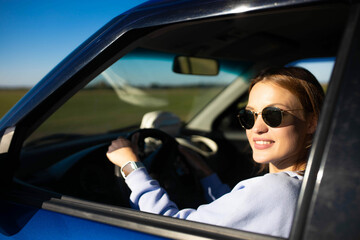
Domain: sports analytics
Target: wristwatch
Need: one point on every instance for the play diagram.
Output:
(129, 167)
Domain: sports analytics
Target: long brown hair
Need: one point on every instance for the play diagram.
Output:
(304, 86)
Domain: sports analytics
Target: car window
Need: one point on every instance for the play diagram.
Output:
(112, 104)
(320, 67)
(140, 82)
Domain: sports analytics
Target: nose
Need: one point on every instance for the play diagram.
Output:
(259, 126)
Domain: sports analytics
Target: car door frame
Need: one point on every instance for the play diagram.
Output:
(330, 144)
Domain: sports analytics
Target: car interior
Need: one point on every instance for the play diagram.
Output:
(183, 83)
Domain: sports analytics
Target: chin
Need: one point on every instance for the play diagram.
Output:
(261, 159)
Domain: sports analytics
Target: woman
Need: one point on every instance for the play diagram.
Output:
(280, 120)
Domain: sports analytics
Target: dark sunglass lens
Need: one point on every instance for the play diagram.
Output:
(246, 118)
(272, 116)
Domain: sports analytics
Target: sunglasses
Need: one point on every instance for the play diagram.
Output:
(272, 116)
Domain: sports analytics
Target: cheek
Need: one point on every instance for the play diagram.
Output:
(290, 138)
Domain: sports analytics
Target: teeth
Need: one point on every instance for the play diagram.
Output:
(262, 142)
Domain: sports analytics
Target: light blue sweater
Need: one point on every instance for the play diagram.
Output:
(263, 204)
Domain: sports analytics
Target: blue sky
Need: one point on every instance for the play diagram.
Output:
(35, 35)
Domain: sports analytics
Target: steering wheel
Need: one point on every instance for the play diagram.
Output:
(168, 166)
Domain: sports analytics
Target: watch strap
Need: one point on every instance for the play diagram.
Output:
(129, 167)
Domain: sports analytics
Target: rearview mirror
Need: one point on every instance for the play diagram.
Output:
(195, 66)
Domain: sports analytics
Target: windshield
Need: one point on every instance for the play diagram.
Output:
(140, 82)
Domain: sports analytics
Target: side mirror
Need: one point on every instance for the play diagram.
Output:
(195, 66)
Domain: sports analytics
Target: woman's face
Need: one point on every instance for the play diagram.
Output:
(279, 146)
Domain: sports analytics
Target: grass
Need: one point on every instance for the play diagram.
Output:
(8, 98)
(95, 111)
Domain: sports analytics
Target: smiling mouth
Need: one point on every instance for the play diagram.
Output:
(263, 142)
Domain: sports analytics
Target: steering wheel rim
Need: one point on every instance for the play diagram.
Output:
(166, 166)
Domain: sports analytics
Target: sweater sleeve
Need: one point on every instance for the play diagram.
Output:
(213, 187)
(263, 204)
(147, 195)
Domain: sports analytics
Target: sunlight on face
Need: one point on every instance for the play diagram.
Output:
(279, 146)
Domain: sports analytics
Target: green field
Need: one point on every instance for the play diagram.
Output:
(8, 98)
(95, 111)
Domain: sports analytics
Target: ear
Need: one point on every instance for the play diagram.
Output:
(311, 124)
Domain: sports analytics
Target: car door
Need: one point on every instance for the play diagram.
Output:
(40, 213)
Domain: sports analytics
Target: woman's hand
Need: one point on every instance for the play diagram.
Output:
(196, 162)
(121, 151)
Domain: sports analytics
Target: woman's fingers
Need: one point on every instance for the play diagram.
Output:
(120, 152)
